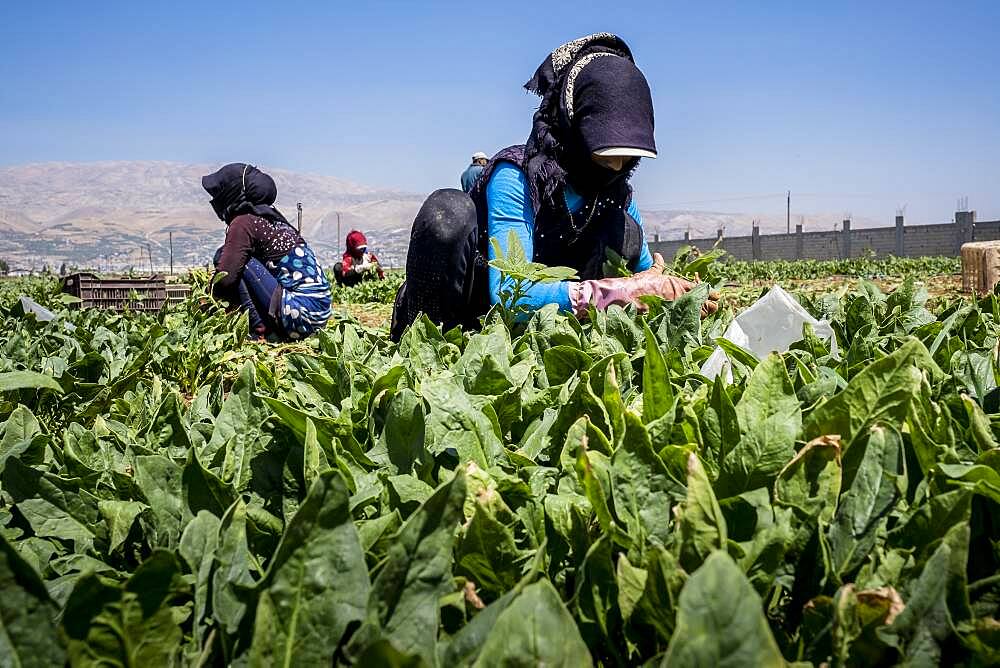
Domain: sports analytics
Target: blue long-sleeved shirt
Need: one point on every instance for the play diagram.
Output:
(509, 208)
(470, 175)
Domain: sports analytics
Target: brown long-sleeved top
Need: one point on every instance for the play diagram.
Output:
(251, 236)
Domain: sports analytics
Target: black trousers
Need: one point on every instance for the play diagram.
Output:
(445, 272)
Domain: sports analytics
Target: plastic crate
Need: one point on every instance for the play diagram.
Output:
(980, 266)
(118, 294)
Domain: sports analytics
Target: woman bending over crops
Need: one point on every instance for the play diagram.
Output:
(565, 194)
(265, 267)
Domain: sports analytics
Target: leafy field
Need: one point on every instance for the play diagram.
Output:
(555, 493)
(369, 292)
(870, 268)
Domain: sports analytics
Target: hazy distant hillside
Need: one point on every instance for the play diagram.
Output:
(85, 212)
(93, 214)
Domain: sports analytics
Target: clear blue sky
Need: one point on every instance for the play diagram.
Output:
(854, 106)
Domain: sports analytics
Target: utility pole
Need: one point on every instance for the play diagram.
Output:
(788, 213)
(338, 229)
(149, 252)
(298, 207)
(171, 253)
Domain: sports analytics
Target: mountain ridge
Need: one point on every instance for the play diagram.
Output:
(115, 213)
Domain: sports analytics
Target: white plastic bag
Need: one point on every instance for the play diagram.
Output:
(771, 324)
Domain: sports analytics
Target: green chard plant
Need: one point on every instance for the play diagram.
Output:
(539, 492)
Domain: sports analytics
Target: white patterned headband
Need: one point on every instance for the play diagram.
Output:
(575, 72)
(565, 54)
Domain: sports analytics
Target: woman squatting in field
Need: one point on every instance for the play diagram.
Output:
(269, 270)
(565, 194)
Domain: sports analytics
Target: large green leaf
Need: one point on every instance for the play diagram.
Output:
(20, 432)
(119, 516)
(485, 362)
(810, 483)
(702, 526)
(237, 425)
(657, 392)
(454, 422)
(403, 606)
(721, 621)
(404, 431)
(197, 548)
(770, 420)
(159, 479)
(131, 626)
(937, 603)
(881, 392)
(536, 629)
(316, 585)
(874, 482)
(231, 577)
(28, 633)
(642, 489)
(28, 380)
(488, 553)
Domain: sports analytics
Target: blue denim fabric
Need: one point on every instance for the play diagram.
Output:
(255, 288)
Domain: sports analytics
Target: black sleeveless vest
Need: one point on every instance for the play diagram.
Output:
(580, 240)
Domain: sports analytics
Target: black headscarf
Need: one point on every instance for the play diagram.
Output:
(593, 97)
(239, 188)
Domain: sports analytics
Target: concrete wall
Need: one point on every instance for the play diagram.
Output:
(926, 240)
(987, 231)
(881, 240)
(821, 245)
(913, 241)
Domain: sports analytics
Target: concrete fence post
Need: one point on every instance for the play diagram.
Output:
(846, 242)
(900, 250)
(755, 243)
(798, 242)
(687, 235)
(965, 229)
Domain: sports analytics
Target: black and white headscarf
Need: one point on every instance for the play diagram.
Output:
(593, 97)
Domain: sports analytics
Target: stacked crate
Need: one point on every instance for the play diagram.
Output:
(117, 294)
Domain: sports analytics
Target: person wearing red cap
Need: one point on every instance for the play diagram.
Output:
(357, 264)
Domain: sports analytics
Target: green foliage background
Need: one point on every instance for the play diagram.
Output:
(548, 492)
